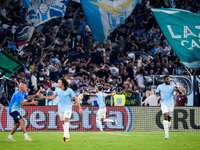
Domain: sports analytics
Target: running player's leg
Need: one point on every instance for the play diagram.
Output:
(10, 136)
(22, 123)
(61, 115)
(15, 128)
(67, 116)
(100, 114)
(165, 112)
(170, 114)
(16, 117)
(104, 119)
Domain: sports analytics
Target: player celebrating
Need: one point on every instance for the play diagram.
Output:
(166, 91)
(17, 101)
(65, 95)
(101, 114)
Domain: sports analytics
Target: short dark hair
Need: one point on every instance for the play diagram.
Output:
(100, 88)
(65, 83)
(165, 77)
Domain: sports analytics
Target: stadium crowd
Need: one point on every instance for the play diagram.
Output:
(65, 48)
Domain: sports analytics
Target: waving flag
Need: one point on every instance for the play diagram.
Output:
(104, 15)
(21, 46)
(9, 64)
(41, 11)
(24, 33)
(182, 30)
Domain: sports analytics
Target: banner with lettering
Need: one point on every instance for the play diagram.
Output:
(46, 118)
(182, 30)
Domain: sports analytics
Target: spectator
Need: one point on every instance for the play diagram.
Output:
(136, 46)
(181, 99)
(152, 100)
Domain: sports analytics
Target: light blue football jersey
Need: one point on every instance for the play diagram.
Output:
(16, 98)
(101, 99)
(64, 99)
(166, 92)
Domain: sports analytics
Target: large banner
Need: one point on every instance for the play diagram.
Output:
(104, 15)
(45, 118)
(37, 118)
(181, 29)
(185, 119)
(41, 11)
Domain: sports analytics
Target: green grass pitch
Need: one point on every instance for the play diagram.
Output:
(103, 141)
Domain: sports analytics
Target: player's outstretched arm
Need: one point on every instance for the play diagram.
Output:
(33, 96)
(79, 106)
(28, 103)
(91, 94)
(177, 90)
(47, 97)
(111, 94)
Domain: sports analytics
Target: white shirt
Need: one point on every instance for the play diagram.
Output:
(34, 81)
(71, 70)
(151, 100)
(114, 70)
(131, 55)
(140, 80)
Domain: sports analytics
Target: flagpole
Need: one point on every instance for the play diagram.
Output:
(57, 30)
(188, 71)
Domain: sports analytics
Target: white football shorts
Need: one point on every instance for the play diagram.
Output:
(101, 113)
(167, 109)
(65, 114)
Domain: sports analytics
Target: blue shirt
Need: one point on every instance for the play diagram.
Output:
(56, 60)
(64, 99)
(100, 99)
(12, 47)
(166, 92)
(16, 98)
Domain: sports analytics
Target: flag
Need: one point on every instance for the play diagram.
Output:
(24, 33)
(104, 15)
(182, 30)
(21, 46)
(9, 64)
(41, 11)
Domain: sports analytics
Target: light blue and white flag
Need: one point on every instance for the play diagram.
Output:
(182, 30)
(104, 15)
(41, 11)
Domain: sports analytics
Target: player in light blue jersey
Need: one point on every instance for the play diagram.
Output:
(101, 114)
(16, 102)
(166, 91)
(65, 96)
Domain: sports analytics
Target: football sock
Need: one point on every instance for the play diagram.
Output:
(166, 128)
(99, 124)
(25, 135)
(66, 130)
(10, 136)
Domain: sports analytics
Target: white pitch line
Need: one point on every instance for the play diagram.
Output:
(117, 134)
